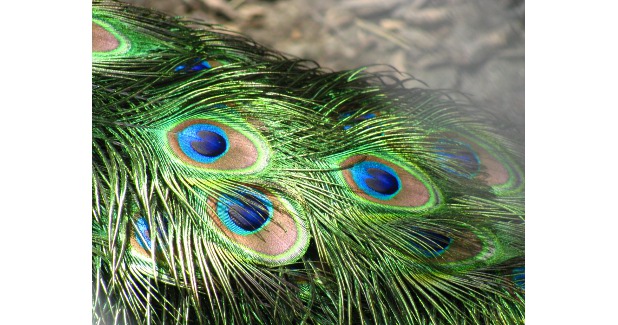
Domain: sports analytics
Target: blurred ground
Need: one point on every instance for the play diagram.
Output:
(472, 46)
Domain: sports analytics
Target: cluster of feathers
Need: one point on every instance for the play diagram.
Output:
(236, 185)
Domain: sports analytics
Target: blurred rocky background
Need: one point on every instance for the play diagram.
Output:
(475, 47)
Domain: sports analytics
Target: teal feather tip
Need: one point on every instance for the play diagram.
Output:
(235, 185)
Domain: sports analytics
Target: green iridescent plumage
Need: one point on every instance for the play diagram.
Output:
(233, 185)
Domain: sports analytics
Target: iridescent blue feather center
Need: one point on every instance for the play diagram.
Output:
(246, 213)
(203, 143)
(376, 179)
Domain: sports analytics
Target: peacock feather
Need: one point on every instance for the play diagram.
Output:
(235, 185)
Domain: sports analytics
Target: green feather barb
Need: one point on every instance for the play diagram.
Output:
(235, 185)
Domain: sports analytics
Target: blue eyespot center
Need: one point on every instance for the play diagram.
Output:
(211, 144)
(204, 143)
(376, 179)
(382, 181)
(357, 119)
(245, 213)
(462, 160)
(143, 233)
(430, 244)
(142, 236)
(519, 277)
(193, 66)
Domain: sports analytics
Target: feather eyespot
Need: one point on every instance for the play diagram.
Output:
(500, 170)
(384, 182)
(261, 226)
(459, 248)
(212, 145)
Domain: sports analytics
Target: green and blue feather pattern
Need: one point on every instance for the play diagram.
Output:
(235, 185)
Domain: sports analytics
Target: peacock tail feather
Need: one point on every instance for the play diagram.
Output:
(235, 185)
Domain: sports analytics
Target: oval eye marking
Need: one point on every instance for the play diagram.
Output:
(275, 231)
(380, 181)
(212, 145)
(495, 170)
